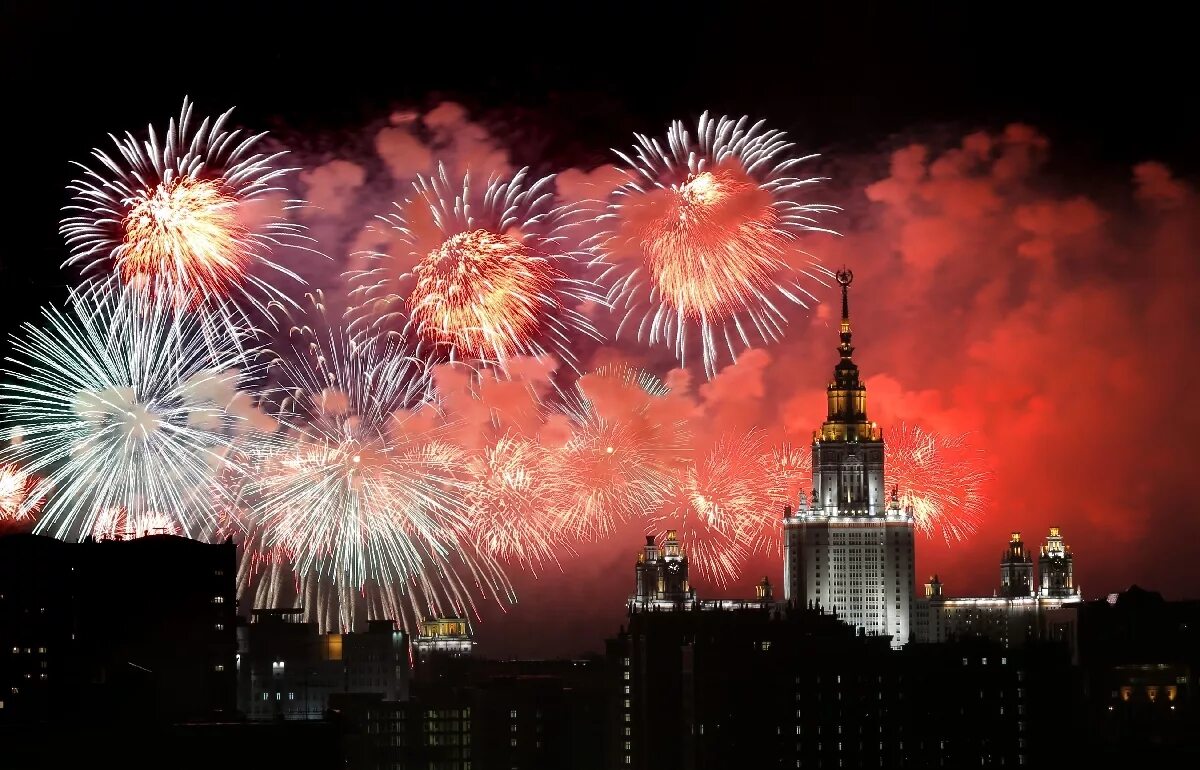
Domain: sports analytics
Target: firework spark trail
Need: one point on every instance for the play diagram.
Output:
(118, 524)
(622, 458)
(725, 506)
(15, 487)
(361, 491)
(108, 394)
(172, 217)
(480, 275)
(511, 494)
(697, 242)
(940, 477)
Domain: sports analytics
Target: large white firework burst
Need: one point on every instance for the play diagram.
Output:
(361, 493)
(698, 245)
(114, 400)
(173, 216)
(478, 273)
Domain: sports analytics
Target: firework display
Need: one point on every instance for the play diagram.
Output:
(15, 486)
(360, 490)
(940, 477)
(726, 506)
(453, 425)
(481, 273)
(175, 216)
(699, 244)
(622, 457)
(112, 398)
(511, 494)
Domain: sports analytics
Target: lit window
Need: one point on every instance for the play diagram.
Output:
(626, 689)
(512, 741)
(626, 676)
(626, 703)
(512, 714)
(42, 650)
(219, 667)
(264, 696)
(628, 745)
(628, 760)
(278, 695)
(291, 696)
(628, 731)
(626, 662)
(627, 717)
(218, 600)
(220, 626)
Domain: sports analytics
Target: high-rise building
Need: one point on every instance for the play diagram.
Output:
(849, 548)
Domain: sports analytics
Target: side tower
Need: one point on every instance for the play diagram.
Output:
(1056, 568)
(849, 547)
(1016, 569)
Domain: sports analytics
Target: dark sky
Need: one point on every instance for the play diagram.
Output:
(561, 84)
(576, 79)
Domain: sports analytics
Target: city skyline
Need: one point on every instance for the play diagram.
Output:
(1022, 279)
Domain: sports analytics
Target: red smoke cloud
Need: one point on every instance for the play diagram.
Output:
(1052, 322)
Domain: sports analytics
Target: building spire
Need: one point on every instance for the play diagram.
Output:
(847, 415)
(845, 374)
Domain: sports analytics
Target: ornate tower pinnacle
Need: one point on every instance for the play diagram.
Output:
(845, 277)
(846, 418)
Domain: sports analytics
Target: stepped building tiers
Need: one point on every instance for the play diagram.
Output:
(848, 548)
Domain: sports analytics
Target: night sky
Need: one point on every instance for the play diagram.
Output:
(1019, 207)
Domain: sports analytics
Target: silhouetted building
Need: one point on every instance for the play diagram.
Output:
(137, 631)
(1140, 658)
(287, 669)
(849, 549)
(1019, 612)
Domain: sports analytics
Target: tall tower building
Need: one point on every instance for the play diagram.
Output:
(1056, 568)
(1016, 569)
(849, 549)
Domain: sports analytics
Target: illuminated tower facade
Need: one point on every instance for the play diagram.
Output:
(662, 575)
(849, 548)
(1016, 569)
(1056, 568)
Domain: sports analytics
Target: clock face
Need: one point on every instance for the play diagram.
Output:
(673, 567)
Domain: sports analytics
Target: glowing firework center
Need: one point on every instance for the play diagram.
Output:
(185, 231)
(716, 248)
(849, 548)
(481, 292)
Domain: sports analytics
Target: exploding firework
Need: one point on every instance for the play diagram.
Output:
(940, 477)
(175, 217)
(726, 506)
(113, 396)
(623, 455)
(15, 486)
(478, 275)
(699, 241)
(117, 524)
(361, 493)
(511, 494)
